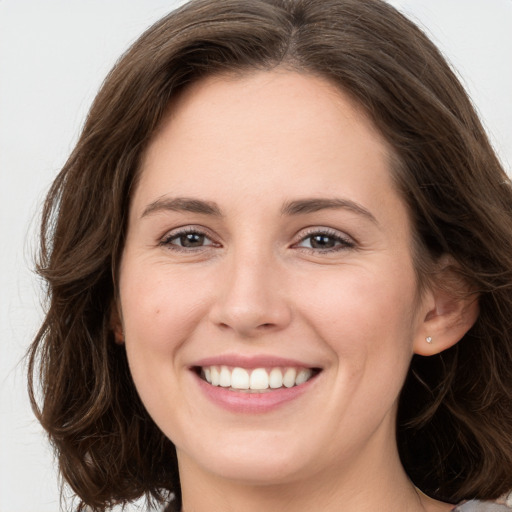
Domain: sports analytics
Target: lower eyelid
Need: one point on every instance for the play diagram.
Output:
(340, 247)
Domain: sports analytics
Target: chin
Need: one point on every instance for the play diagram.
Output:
(265, 460)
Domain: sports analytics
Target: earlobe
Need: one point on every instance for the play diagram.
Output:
(116, 323)
(450, 313)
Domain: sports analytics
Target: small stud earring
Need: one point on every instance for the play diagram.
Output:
(428, 339)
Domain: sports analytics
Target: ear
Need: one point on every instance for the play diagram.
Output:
(448, 312)
(116, 323)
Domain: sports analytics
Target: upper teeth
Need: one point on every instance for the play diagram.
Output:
(257, 379)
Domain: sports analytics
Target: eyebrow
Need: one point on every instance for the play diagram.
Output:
(182, 204)
(305, 206)
(298, 207)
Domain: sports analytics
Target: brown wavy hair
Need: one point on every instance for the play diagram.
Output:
(455, 414)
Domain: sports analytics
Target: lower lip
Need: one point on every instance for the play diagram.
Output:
(243, 402)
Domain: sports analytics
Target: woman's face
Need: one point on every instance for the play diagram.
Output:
(268, 249)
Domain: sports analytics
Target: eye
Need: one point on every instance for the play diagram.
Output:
(325, 241)
(190, 238)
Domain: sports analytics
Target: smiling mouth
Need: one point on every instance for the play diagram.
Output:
(256, 380)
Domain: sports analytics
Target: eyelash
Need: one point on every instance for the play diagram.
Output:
(176, 235)
(344, 242)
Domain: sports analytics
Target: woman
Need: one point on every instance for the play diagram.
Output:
(279, 268)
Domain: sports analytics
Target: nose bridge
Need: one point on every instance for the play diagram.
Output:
(251, 298)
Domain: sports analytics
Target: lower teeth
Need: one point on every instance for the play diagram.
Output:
(252, 391)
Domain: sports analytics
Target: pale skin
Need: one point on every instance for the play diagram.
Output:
(301, 247)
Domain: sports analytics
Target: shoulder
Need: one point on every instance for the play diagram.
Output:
(503, 504)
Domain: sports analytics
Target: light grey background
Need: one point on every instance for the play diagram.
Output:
(54, 55)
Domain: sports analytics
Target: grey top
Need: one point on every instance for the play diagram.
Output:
(504, 504)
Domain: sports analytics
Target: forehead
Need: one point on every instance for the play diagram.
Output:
(257, 98)
(279, 132)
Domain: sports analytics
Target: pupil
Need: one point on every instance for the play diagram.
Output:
(322, 242)
(192, 240)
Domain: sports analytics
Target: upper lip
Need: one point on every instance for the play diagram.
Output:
(251, 362)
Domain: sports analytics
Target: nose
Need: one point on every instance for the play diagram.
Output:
(251, 297)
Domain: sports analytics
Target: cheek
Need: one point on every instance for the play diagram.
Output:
(363, 303)
(161, 310)
(367, 319)
(159, 306)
